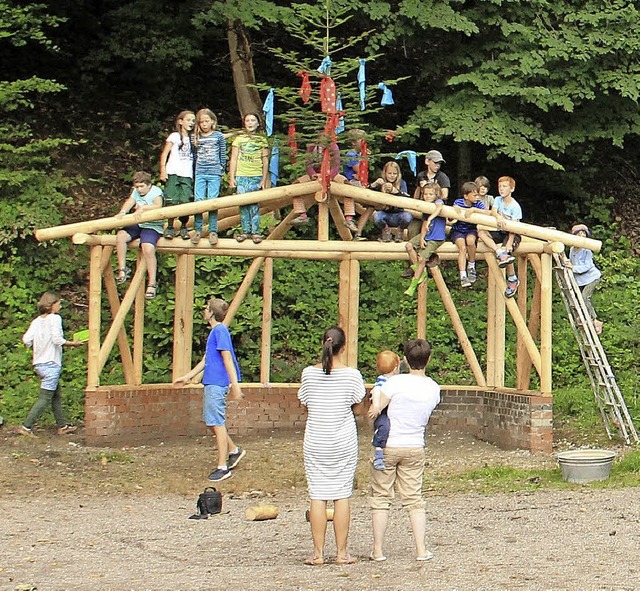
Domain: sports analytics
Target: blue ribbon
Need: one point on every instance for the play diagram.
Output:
(274, 165)
(411, 156)
(387, 97)
(325, 66)
(362, 80)
(267, 109)
(340, 126)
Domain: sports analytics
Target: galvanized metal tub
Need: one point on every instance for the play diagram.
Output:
(585, 465)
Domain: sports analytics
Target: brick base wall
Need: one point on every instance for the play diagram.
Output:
(135, 415)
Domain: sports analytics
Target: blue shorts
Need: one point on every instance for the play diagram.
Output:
(456, 234)
(146, 235)
(214, 405)
(49, 374)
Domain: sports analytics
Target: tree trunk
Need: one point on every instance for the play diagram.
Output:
(464, 163)
(242, 69)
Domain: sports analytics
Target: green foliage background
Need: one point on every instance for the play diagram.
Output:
(545, 92)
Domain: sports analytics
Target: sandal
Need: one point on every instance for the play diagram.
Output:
(123, 275)
(311, 561)
(150, 293)
(241, 237)
(348, 559)
(257, 238)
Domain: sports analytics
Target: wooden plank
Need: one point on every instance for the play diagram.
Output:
(421, 312)
(534, 329)
(343, 294)
(267, 309)
(323, 222)
(339, 220)
(521, 351)
(175, 211)
(492, 296)
(465, 343)
(377, 198)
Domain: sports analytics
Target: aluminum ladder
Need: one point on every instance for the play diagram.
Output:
(613, 409)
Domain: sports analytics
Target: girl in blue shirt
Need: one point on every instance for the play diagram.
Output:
(586, 273)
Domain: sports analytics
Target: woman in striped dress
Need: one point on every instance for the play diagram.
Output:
(330, 390)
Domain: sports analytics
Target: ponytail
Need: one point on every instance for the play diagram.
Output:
(333, 341)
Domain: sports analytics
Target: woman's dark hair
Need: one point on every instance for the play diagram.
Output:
(332, 343)
(417, 353)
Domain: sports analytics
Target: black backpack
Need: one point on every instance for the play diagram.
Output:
(209, 503)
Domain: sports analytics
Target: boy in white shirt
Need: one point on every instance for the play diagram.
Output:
(411, 399)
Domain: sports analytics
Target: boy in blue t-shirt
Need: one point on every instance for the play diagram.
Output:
(465, 235)
(422, 247)
(221, 377)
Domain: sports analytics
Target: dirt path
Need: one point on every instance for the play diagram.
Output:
(98, 537)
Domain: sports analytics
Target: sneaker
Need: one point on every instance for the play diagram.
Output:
(512, 288)
(301, 220)
(472, 275)
(504, 259)
(385, 236)
(195, 239)
(427, 556)
(378, 464)
(213, 238)
(26, 431)
(184, 233)
(234, 459)
(399, 237)
(169, 234)
(67, 429)
(220, 474)
(464, 282)
(351, 225)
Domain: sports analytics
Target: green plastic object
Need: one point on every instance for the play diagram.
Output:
(81, 335)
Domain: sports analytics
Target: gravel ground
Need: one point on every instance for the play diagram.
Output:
(585, 539)
(95, 537)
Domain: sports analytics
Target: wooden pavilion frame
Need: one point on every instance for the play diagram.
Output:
(532, 320)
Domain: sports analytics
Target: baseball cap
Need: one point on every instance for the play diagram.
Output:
(435, 156)
(580, 228)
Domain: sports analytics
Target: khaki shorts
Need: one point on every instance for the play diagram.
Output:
(425, 253)
(404, 472)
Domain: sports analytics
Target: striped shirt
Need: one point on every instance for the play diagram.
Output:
(330, 438)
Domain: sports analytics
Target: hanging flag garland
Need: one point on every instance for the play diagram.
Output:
(362, 80)
(267, 109)
(387, 97)
(305, 87)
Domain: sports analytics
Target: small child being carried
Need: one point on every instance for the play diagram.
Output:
(388, 364)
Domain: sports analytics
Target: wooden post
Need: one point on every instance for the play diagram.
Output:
(495, 330)
(546, 323)
(343, 294)
(138, 324)
(339, 220)
(323, 221)
(354, 304)
(534, 329)
(267, 305)
(521, 355)
(118, 321)
(183, 314)
(95, 305)
(450, 306)
(421, 312)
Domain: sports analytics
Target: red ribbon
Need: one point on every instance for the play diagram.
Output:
(305, 87)
(292, 142)
(328, 95)
(363, 168)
